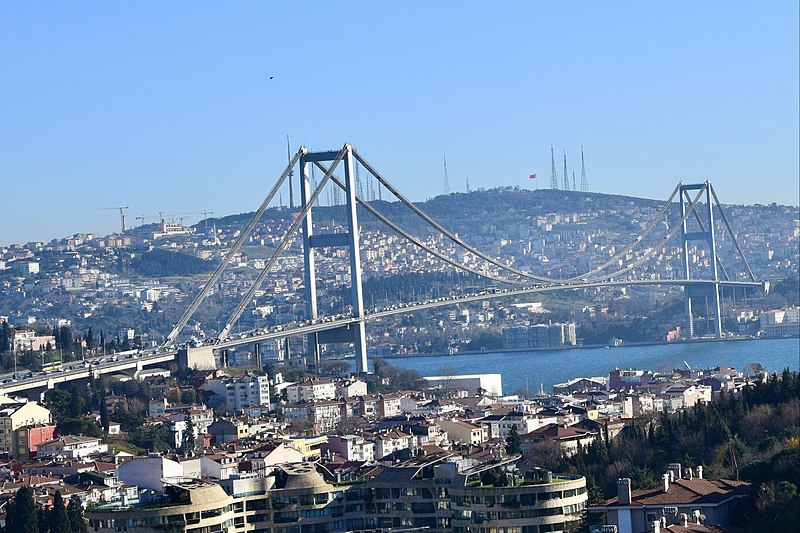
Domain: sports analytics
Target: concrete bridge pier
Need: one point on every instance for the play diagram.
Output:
(201, 358)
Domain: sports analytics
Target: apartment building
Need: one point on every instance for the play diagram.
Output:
(430, 493)
(14, 415)
(238, 392)
(308, 390)
(463, 432)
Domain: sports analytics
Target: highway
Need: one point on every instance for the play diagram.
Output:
(139, 359)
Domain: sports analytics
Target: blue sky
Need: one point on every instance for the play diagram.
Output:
(168, 106)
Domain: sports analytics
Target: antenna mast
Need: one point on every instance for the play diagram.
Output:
(291, 173)
(573, 181)
(553, 175)
(584, 180)
(446, 182)
(566, 178)
(359, 186)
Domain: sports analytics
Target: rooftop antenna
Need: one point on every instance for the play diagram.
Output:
(584, 181)
(446, 182)
(553, 175)
(291, 173)
(566, 178)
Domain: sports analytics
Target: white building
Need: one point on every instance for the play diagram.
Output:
(71, 447)
(239, 393)
(309, 390)
(148, 472)
(491, 384)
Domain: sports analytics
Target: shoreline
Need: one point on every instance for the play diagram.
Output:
(578, 347)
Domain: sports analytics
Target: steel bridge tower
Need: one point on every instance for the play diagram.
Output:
(705, 233)
(354, 333)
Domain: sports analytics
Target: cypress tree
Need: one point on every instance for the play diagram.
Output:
(21, 515)
(58, 520)
(513, 442)
(89, 338)
(104, 422)
(75, 512)
(189, 443)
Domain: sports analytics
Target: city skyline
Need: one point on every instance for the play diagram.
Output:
(161, 109)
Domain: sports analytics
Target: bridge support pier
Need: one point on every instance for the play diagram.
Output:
(348, 240)
(201, 358)
(704, 234)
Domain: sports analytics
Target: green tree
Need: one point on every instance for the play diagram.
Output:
(89, 338)
(104, 423)
(189, 443)
(21, 516)
(6, 336)
(79, 426)
(188, 397)
(513, 441)
(75, 512)
(58, 520)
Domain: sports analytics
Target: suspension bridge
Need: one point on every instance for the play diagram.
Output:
(695, 227)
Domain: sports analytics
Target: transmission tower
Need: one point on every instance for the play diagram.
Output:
(584, 181)
(446, 182)
(573, 181)
(467, 184)
(291, 173)
(553, 175)
(566, 177)
(359, 187)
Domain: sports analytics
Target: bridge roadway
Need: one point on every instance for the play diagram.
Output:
(144, 358)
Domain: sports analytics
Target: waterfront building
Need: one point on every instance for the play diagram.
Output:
(781, 322)
(539, 336)
(491, 384)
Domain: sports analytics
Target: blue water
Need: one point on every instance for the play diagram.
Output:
(531, 370)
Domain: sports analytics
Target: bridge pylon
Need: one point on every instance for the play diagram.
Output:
(355, 332)
(705, 233)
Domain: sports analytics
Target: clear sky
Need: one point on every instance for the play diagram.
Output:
(169, 106)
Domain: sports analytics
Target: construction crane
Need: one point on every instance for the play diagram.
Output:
(205, 214)
(142, 218)
(121, 214)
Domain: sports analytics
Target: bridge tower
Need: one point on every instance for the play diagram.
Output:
(355, 332)
(705, 233)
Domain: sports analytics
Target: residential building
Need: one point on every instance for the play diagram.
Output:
(149, 472)
(463, 432)
(28, 439)
(491, 384)
(311, 389)
(15, 414)
(428, 493)
(238, 392)
(676, 501)
(72, 447)
(569, 438)
(350, 447)
(350, 387)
